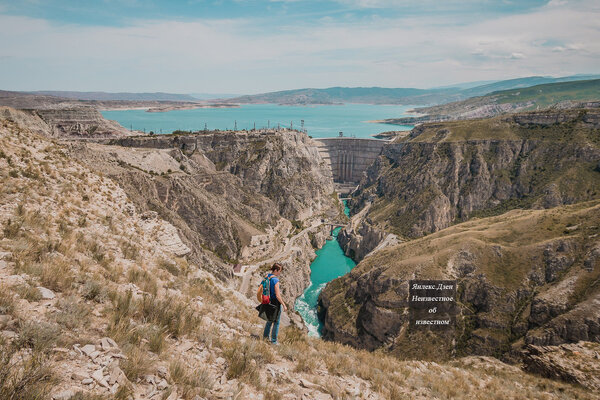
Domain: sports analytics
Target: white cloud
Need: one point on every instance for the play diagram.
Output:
(251, 56)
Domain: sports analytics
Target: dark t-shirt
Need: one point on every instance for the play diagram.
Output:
(274, 280)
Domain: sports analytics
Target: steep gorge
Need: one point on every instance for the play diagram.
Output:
(442, 174)
(237, 195)
(446, 193)
(100, 297)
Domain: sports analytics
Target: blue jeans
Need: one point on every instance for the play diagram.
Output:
(275, 329)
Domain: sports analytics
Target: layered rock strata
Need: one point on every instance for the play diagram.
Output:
(524, 276)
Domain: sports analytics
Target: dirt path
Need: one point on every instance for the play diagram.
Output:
(282, 254)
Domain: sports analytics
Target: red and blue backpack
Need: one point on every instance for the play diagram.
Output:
(266, 289)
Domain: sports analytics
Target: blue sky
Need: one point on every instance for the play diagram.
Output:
(282, 12)
(246, 46)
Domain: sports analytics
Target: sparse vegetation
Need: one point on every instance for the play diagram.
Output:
(136, 364)
(39, 336)
(93, 290)
(90, 253)
(72, 313)
(245, 357)
(192, 381)
(24, 378)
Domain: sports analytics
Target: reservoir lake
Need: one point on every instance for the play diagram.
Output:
(319, 121)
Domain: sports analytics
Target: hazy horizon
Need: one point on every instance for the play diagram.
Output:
(244, 46)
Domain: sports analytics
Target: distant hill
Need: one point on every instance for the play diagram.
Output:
(405, 96)
(212, 96)
(560, 95)
(104, 96)
(365, 95)
(54, 99)
(522, 83)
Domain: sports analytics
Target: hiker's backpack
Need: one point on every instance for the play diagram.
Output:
(266, 290)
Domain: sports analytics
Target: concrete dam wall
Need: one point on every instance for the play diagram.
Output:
(349, 157)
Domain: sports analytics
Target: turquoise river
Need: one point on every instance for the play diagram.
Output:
(329, 264)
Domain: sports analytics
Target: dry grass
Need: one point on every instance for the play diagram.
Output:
(245, 358)
(156, 339)
(94, 290)
(137, 363)
(28, 292)
(205, 288)
(129, 249)
(28, 378)
(72, 313)
(57, 276)
(144, 279)
(7, 301)
(39, 336)
(194, 381)
(169, 266)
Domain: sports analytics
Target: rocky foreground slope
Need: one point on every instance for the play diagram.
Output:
(526, 260)
(99, 299)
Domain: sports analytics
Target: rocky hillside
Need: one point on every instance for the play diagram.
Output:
(66, 121)
(560, 95)
(100, 299)
(527, 266)
(442, 174)
(237, 196)
(524, 277)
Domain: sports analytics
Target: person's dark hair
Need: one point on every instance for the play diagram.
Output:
(277, 267)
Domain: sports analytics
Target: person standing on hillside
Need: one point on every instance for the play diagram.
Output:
(275, 299)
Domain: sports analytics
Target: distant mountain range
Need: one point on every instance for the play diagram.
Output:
(306, 96)
(122, 96)
(404, 96)
(558, 94)
(210, 96)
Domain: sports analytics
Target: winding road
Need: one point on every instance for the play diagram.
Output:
(249, 269)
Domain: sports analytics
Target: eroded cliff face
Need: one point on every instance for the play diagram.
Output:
(443, 174)
(524, 277)
(284, 165)
(66, 122)
(236, 208)
(518, 283)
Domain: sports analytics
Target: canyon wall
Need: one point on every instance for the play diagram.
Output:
(448, 191)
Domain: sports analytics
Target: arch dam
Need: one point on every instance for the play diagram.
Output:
(349, 158)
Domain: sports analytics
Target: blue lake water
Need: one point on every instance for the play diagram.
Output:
(319, 121)
(329, 264)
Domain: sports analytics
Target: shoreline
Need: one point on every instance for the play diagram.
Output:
(121, 108)
(190, 107)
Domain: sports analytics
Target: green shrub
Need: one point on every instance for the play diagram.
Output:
(39, 336)
(93, 290)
